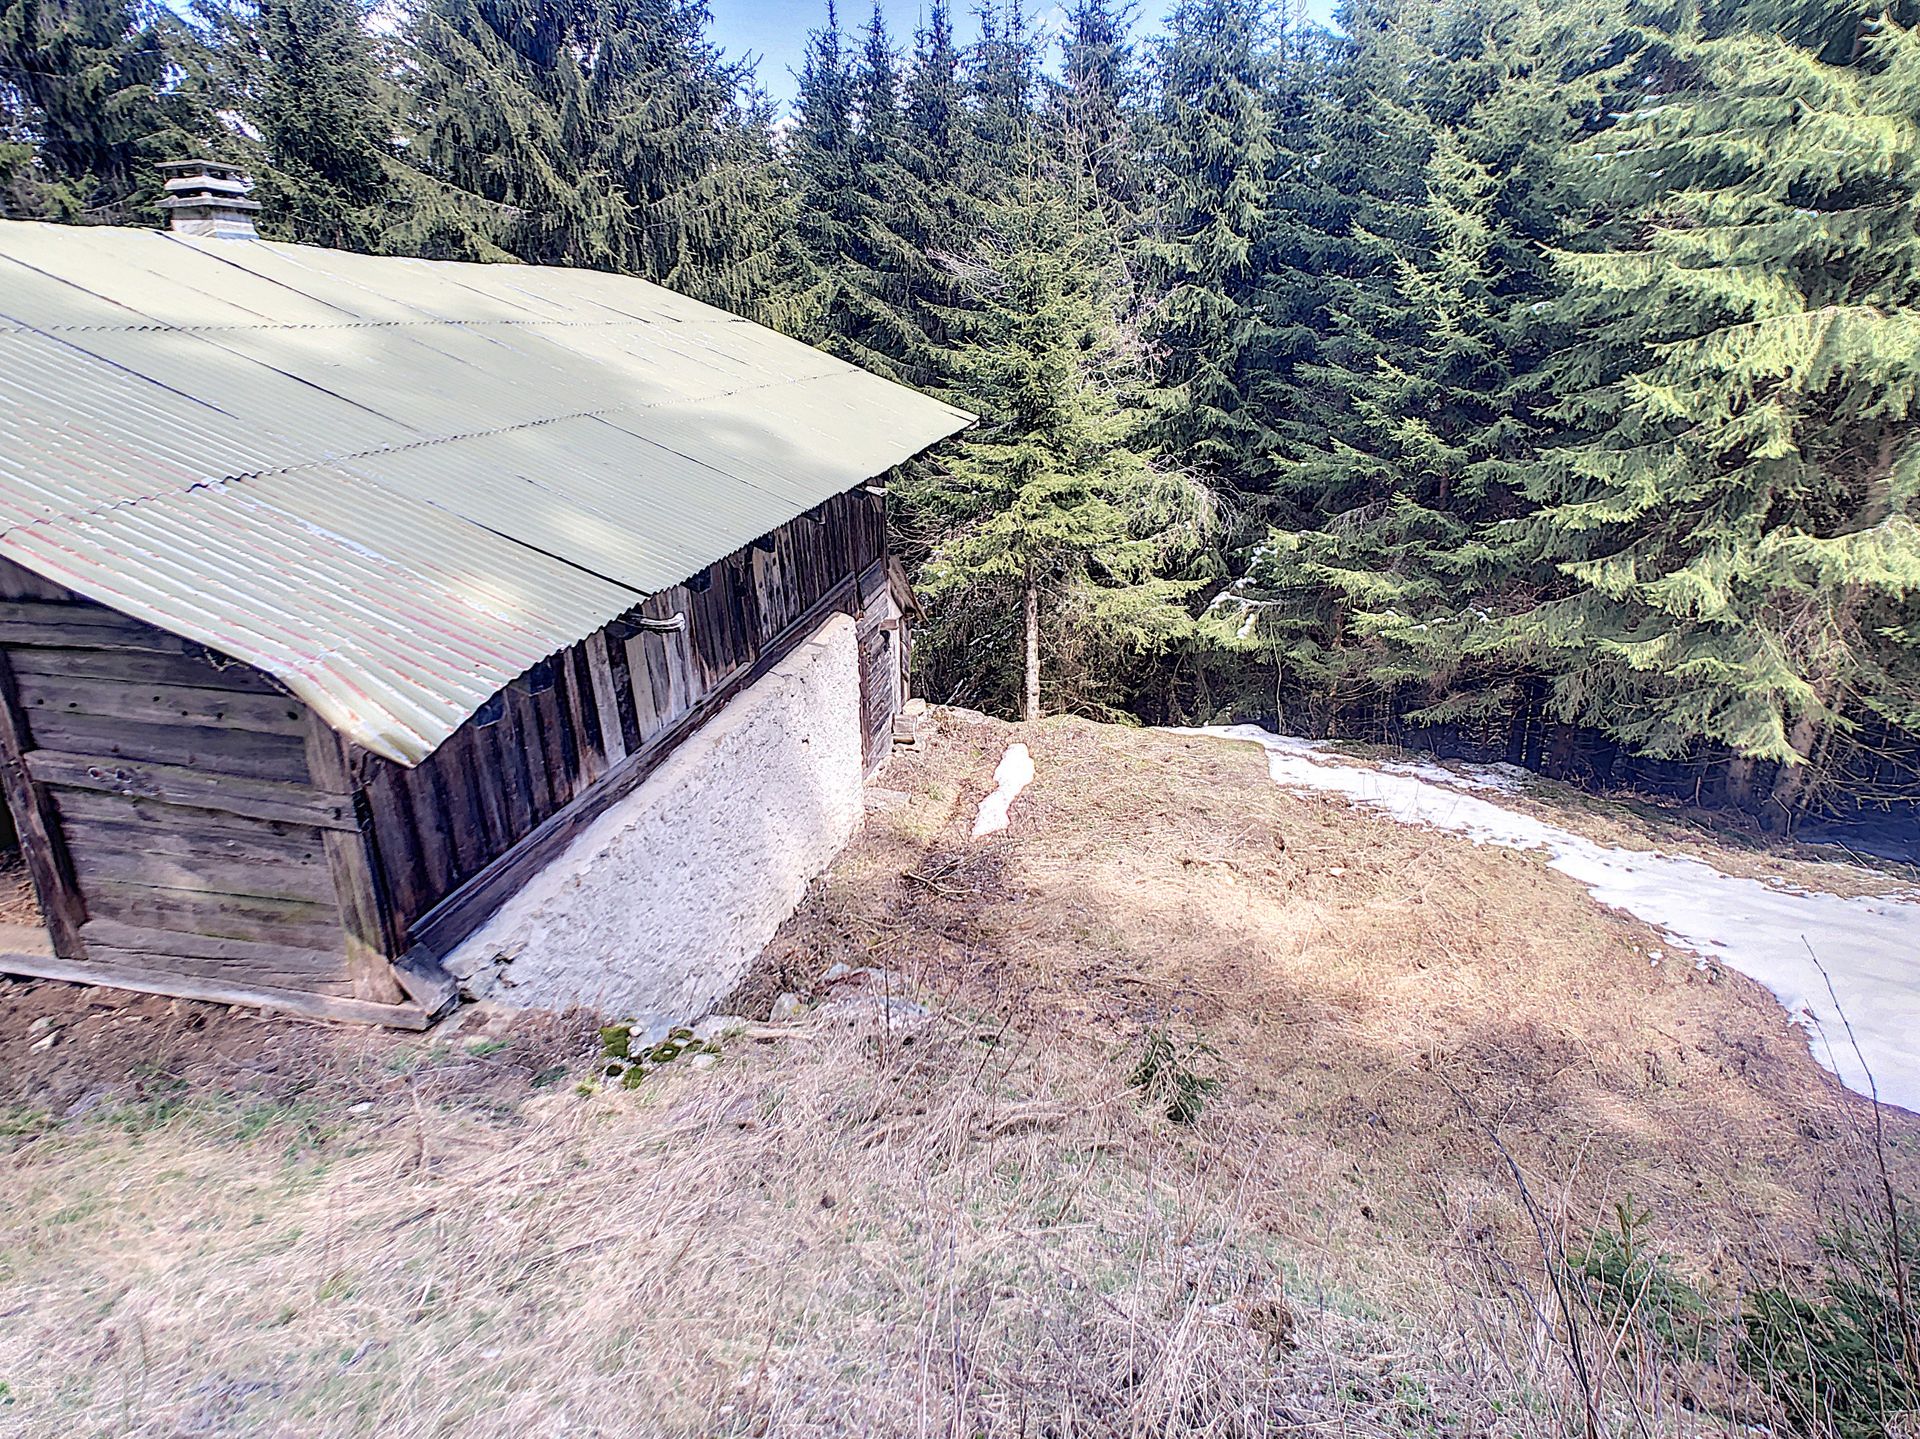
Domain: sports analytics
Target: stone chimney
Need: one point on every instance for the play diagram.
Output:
(209, 197)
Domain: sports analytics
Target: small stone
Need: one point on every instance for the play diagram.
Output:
(365, 1106)
(46, 1043)
(881, 800)
(788, 1006)
(703, 1061)
(40, 1025)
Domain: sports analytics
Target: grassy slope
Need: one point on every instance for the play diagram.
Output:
(219, 1224)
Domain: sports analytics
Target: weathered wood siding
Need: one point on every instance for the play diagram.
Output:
(184, 815)
(541, 755)
(180, 823)
(878, 634)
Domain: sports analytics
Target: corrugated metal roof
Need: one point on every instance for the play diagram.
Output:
(397, 484)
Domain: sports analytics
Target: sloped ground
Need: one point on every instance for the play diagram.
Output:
(867, 1221)
(1383, 999)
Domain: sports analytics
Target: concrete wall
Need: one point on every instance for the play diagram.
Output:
(658, 909)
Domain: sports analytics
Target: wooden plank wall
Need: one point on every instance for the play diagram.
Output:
(182, 827)
(878, 633)
(550, 738)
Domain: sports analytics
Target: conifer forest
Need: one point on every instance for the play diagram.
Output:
(1539, 377)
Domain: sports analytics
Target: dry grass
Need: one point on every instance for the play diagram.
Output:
(17, 902)
(825, 1234)
(1732, 842)
(222, 1225)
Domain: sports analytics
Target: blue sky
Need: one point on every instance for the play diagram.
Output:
(776, 30)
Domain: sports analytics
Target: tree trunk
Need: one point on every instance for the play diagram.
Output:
(1030, 706)
(1791, 784)
(1739, 782)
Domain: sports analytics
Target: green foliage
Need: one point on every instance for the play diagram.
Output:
(1496, 355)
(1213, 153)
(1838, 1363)
(1425, 391)
(93, 94)
(1731, 512)
(1633, 1287)
(1169, 1075)
(1047, 504)
(303, 75)
(603, 133)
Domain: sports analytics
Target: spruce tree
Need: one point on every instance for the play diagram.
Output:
(761, 272)
(822, 148)
(1732, 524)
(677, 145)
(1213, 151)
(1098, 110)
(93, 94)
(934, 218)
(499, 109)
(1001, 75)
(608, 133)
(878, 329)
(1047, 512)
(1381, 591)
(303, 75)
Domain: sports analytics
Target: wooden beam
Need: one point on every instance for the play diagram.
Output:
(363, 911)
(129, 972)
(193, 671)
(176, 784)
(143, 939)
(157, 703)
(463, 911)
(426, 982)
(600, 671)
(84, 627)
(42, 843)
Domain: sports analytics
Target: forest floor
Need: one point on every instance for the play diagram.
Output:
(1183, 1105)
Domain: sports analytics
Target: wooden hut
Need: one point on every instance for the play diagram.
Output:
(340, 594)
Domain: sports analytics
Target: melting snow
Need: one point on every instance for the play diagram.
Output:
(1870, 947)
(1013, 774)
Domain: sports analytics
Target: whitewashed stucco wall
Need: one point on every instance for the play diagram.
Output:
(657, 910)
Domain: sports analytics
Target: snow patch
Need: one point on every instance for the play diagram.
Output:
(1869, 947)
(1013, 774)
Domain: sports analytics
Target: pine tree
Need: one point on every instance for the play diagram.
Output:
(1047, 509)
(610, 133)
(1098, 99)
(1001, 74)
(878, 328)
(934, 218)
(499, 108)
(1213, 151)
(93, 94)
(823, 150)
(677, 145)
(303, 75)
(762, 272)
(1383, 590)
(1733, 522)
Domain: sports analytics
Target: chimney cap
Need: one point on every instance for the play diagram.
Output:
(215, 166)
(209, 198)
